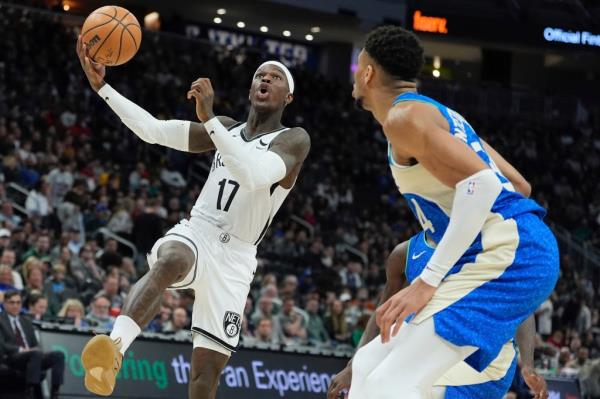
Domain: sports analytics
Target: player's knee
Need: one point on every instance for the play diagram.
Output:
(201, 385)
(174, 261)
(379, 384)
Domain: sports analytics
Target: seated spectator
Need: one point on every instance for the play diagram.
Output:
(557, 339)
(37, 305)
(18, 342)
(9, 258)
(5, 236)
(40, 250)
(7, 215)
(6, 279)
(100, 308)
(110, 256)
(110, 290)
(292, 323)
(161, 319)
(316, 331)
(263, 334)
(178, 325)
(38, 200)
(56, 288)
(264, 309)
(336, 323)
(73, 310)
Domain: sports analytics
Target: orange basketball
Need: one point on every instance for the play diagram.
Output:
(112, 35)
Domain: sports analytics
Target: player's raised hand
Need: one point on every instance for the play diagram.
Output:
(536, 383)
(94, 72)
(202, 91)
(404, 303)
(340, 382)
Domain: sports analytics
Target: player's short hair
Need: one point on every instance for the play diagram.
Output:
(398, 51)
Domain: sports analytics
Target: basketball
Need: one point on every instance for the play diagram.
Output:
(112, 35)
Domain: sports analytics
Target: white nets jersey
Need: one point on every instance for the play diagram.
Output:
(226, 204)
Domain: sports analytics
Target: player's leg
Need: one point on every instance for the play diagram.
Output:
(418, 359)
(207, 365)
(221, 294)
(364, 362)
(172, 260)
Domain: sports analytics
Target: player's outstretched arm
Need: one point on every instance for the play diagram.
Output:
(395, 281)
(253, 169)
(177, 134)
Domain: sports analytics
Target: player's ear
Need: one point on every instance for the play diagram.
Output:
(368, 75)
(289, 98)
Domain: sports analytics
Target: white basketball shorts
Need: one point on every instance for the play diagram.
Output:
(220, 277)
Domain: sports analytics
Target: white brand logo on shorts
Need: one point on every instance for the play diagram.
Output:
(232, 323)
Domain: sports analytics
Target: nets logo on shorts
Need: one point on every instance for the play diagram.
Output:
(232, 323)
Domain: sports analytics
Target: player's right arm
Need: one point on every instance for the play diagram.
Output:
(510, 172)
(177, 134)
(395, 281)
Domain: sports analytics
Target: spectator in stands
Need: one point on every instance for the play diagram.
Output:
(263, 333)
(61, 180)
(9, 258)
(73, 310)
(336, 323)
(6, 279)
(7, 215)
(41, 249)
(99, 313)
(18, 342)
(178, 325)
(38, 200)
(161, 320)
(37, 305)
(85, 269)
(289, 287)
(4, 238)
(110, 290)
(265, 309)
(316, 331)
(110, 256)
(57, 288)
(589, 377)
(292, 323)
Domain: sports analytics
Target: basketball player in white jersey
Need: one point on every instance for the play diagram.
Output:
(214, 252)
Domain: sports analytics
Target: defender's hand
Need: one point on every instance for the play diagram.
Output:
(204, 95)
(536, 383)
(340, 382)
(404, 303)
(94, 72)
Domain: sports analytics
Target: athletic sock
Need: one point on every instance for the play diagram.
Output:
(127, 330)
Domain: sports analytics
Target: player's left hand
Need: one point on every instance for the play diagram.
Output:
(404, 303)
(202, 91)
(536, 383)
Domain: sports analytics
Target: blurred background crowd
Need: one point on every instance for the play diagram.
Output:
(72, 177)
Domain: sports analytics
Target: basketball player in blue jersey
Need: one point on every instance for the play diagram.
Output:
(405, 263)
(256, 164)
(495, 261)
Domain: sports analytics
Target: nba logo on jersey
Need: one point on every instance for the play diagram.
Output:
(471, 187)
(232, 322)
